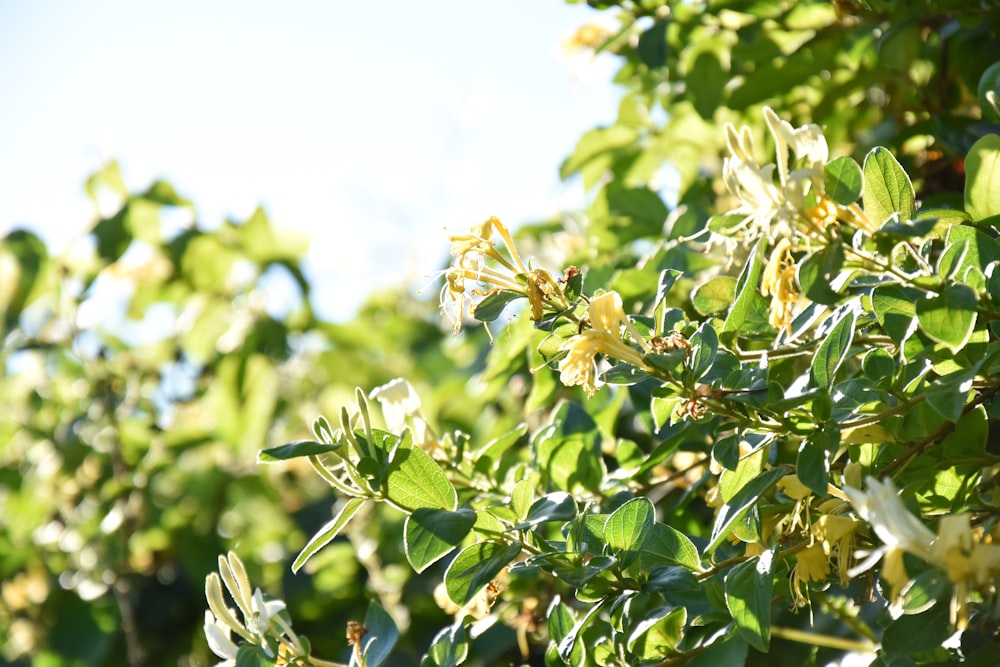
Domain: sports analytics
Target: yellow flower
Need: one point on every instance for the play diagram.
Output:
(968, 562)
(579, 367)
(474, 252)
(811, 565)
(778, 281)
(836, 536)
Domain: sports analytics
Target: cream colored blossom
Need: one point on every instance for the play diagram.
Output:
(778, 282)
(218, 636)
(401, 409)
(607, 318)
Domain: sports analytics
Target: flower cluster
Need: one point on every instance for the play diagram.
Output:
(970, 561)
(607, 319)
(262, 624)
(476, 258)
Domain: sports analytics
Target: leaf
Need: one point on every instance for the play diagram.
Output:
(430, 534)
(749, 307)
(947, 395)
(475, 566)
(894, 307)
(844, 181)
(656, 636)
(817, 272)
(982, 178)
(251, 655)
(813, 464)
(833, 349)
(668, 546)
(558, 506)
(888, 190)
(450, 647)
(740, 504)
(493, 304)
(294, 450)
(328, 532)
(917, 633)
(714, 296)
(748, 598)
(560, 624)
(627, 527)
(522, 496)
(416, 480)
(381, 637)
(652, 46)
(704, 346)
(969, 438)
(950, 317)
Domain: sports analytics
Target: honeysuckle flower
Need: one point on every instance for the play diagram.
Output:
(969, 563)
(811, 564)
(579, 366)
(474, 252)
(218, 634)
(883, 509)
(398, 400)
(835, 535)
(778, 281)
(261, 614)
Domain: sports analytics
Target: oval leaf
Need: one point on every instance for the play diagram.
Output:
(748, 598)
(474, 567)
(844, 181)
(430, 534)
(294, 450)
(833, 350)
(888, 190)
(627, 527)
(950, 317)
(416, 480)
(982, 178)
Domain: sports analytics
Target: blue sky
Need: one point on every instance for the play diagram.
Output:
(376, 128)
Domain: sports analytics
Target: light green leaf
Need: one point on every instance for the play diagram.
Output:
(328, 532)
(381, 637)
(294, 450)
(950, 317)
(888, 190)
(714, 296)
(522, 496)
(749, 307)
(560, 624)
(982, 178)
(558, 506)
(450, 647)
(833, 349)
(666, 546)
(430, 534)
(844, 181)
(627, 527)
(656, 636)
(748, 597)
(948, 395)
(474, 567)
(416, 480)
(894, 307)
(251, 655)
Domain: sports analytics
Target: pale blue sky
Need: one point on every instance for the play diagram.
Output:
(373, 127)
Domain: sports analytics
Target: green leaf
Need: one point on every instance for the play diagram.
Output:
(326, 534)
(950, 317)
(558, 506)
(969, 438)
(982, 178)
(833, 349)
(740, 504)
(430, 534)
(704, 346)
(489, 455)
(714, 296)
(844, 181)
(416, 480)
(560, 625)
(378, 642)
(450, 647)
(656, 636)
(251, 655)
(522, 496)
(493, 304)
(949, 394)
(894, 306)
(627, 528)
(749, 308)
(888, 190)
(668, 546)
(294, 450)
(652, 46)
(748, 597)
(474, 567)
(818, 271)
(981, 251)
(919, 632)
(813, 464)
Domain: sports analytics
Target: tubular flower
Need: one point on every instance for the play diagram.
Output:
(778, 281)
(969, 563)
(607, 317)
(811, 564)
(401, 408)
(476, 258)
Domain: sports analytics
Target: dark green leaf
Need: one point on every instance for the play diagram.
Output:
(668, 546)
(652, 47)
(493, 304)
(704, 346)
(377, 644)
(474, 567)
(949, 394)
(817, 272)
(888, 190)
(294, 450)
(560, 625)
(895, 309)
(450, 647)
(328, 532)
(844, 181)
(430, 534)
(251, 655)
(558, 506)
(813, 465)
(919, 632)
(748, 597)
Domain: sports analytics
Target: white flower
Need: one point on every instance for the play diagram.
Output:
(892, 522)
(399, 401)
(219, 642)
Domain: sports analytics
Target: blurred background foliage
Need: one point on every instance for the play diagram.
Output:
(145, 367)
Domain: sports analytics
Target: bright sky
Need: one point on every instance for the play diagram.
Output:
(373, 127)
